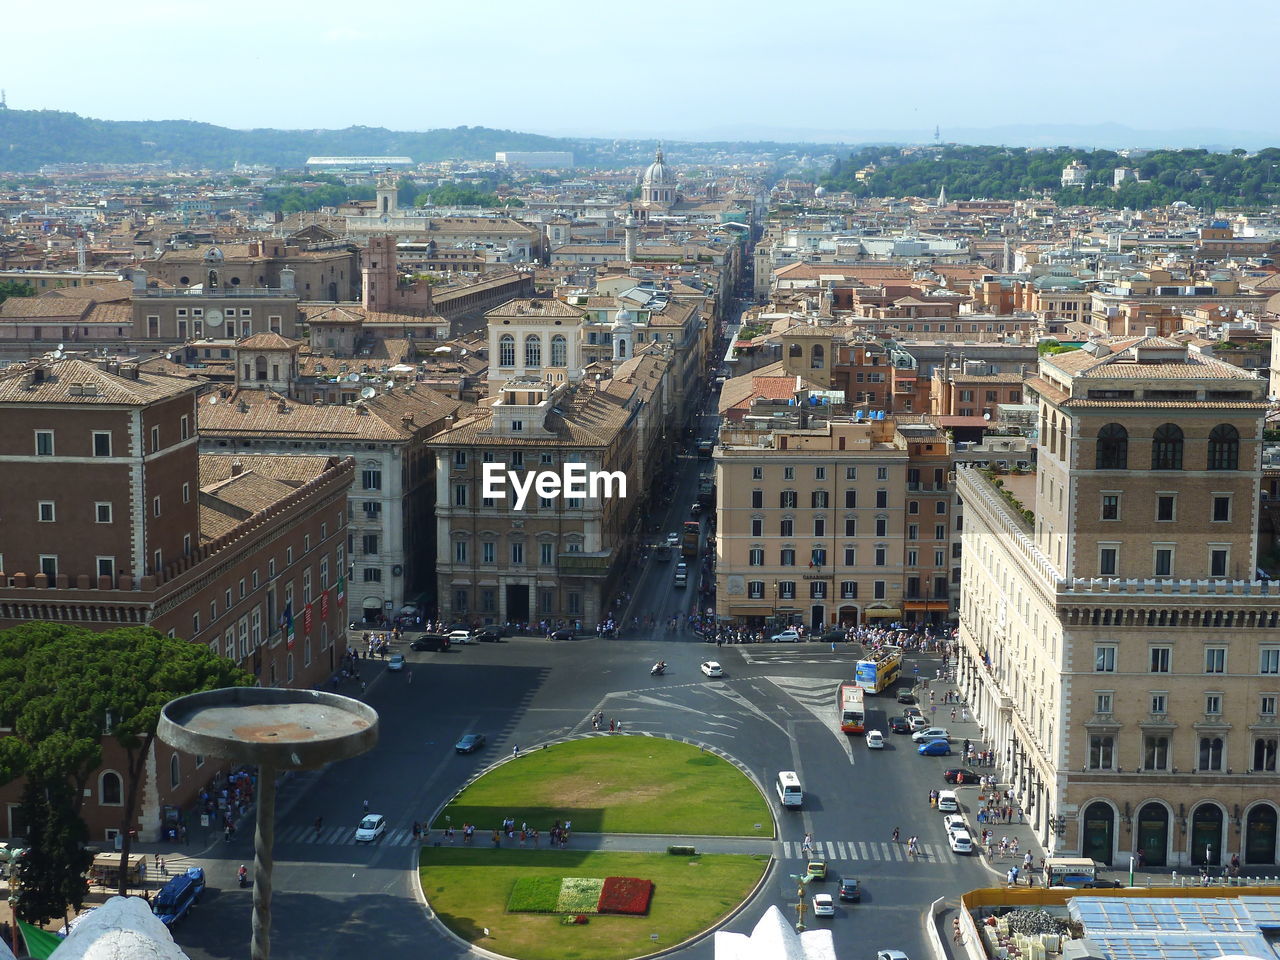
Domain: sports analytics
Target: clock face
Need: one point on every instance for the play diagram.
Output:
(213, 318)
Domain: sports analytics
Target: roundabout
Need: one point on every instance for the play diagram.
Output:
(626, 880)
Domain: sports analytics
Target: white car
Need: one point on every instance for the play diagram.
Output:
(955, 824)
(786, 636)
(396, 663)
(960, 841)
(917, 723)
(371, 828)
(891, 955)
(931, 733)
(460, 636)
(823, 905)
(875, 740)
(712, 669)
(673, 539)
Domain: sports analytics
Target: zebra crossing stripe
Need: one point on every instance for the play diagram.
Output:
(844, 853)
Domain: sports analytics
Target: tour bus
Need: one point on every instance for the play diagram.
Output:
(879, 671)
(789, 791)
(849, 704)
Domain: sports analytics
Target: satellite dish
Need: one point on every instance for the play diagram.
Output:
(57, 354)
(61, 347)
(353, 377)
(986, 416)
(368, 393)
(213, 400)
(168, 356)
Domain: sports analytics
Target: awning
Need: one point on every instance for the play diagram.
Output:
(749, 611)
(882, 612)
(926, 604)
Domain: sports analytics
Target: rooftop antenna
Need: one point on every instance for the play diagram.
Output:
(368, 393)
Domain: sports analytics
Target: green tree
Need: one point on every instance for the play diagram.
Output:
(52, 872)
(14, 288)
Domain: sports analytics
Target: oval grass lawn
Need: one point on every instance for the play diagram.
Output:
(615, 784)
(468, 888)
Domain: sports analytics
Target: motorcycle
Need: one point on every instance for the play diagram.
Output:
(657, 670)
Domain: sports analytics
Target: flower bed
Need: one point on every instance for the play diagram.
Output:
(579, 895)
(535, 895)
(625, 895)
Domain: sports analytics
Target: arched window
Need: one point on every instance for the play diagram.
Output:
(533, 351)
(559, 351)
(818, 356)
(1166, 447)
(622, 347)
(795, 350)
(1112, 447)
(1224, 447)
(506, 350)
(175, 772)
(110, 789)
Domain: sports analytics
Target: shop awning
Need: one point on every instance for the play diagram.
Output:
(926, 605)
(887, 612)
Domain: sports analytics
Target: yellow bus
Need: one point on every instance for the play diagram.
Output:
(879, 671)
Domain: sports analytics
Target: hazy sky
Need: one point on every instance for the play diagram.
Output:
(821, 68)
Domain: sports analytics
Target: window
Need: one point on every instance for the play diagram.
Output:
(1112, 448)
(819, 473)
(107, 567)
(1159, 704)
(939, 531)
(1210, 753)
(757, 499)
(45, 511)
(155, 506)
(460, 600)
(1218, 559)
(110, 793)
(1111, 506)
(101, 443)
(882, 526)
(818, 556)
(507, 350)
(184, 427)
(882, 473)
(1107, 561)
(882, 498)
(44, 443)
(819, 527)
(370, 543)
(882, 556)
(913, 558)
(517, 553)
(755, 589)
(102, 512)
(757, 526)
(1264, 754)
(546, 554)
(195, 623)
(372, 574)
(850, 556)
(1164, 562)
(1104, 658)
(186, 493)
(1155, 752)
(1221, 509)
(1159, 659)
(756, 557)
(878, 589)
(1103, 703)
(1166, 447)
(1101, 752)
(851, 499)
(848, 589)
(371, 479)
(757, 473)
(459, 458)
(788, 473)
(1215, 659)
(372, 509)
(913, 506)
(1270, 660)
(460, 551)
(1213, 704)
(1224, 447)
(818, 590)
(819, 499)
(533, 351)
(788, 500)
(786, 527)
(459, 494)
(155, 439)
(1267, 705)
(175, 772)
(940, 506)
(851, 473)
(488, 552)
(49, 564)
(850, 526)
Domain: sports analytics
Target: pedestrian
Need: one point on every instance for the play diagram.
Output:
(497, 839)
(366, 806)
(611, 724)
(417, 830)
(515, 751)
(895, 834)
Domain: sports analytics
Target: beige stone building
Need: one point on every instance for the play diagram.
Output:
(1115, 642)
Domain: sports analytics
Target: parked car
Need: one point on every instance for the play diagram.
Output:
(430, 641)
(817, 869)
(905, 695)
(1099, 883)
(823, 905)
(786, 636)
(712, 669)
(834, 635)
(564, 633)
(891, 955)
(959, 775)
(960, 842)
(912, 712)
(899, 725)
(470, 743)
(396, 663)
(371, 828)
(931, 733)
(459, 636)
(850, 890)
(935, 748)
(487, 634)
(917, 723)
(955, 823)
(875, 740)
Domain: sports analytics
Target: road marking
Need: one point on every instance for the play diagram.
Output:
(843, 851)
(817, 695)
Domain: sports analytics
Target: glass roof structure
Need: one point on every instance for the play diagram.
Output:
(1201, 928)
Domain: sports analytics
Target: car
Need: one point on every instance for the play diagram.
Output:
(564, 633)
(955, 823)
(429, 641)
(850, 890)
(935, 748)
(1099, 883)
(371, 828)
(712, 669)
(891, 955)
(786, 636)
(905, 695)
(834, 635)
(931, 733)
(959, 775)
(470, 743)
(823, 905)
(695, 508)
(663, 553)
(459, 636)
(960, 841)
(673, 539)
(817, 869)
(487, 634)
(912, 712)
(396, 663)
(917, 723)
(899, 725)
(875, 740)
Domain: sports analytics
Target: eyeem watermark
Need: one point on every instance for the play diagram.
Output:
(574, 482)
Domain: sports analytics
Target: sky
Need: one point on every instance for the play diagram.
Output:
(695, 69)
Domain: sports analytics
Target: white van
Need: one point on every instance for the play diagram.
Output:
(947, 802)
(789, 790)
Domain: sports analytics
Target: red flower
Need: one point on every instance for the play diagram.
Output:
(625, 895)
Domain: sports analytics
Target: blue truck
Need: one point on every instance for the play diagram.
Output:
(178, 896)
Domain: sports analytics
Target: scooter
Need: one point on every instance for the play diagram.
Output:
(658, 669)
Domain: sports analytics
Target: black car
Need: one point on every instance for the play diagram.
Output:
(429, 641)
(955, 773)
(1098, 883)
(905, 695)
(850, 891)
(834, 635)
(470, 743)
(487, 634)
(899, 725)
(564, 633)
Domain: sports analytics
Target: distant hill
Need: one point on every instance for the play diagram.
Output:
(30, 138)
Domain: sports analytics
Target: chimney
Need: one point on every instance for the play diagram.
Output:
(287, 281)
(1151, 331)
(237, 468)
(139, 280)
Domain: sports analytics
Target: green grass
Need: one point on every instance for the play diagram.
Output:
(534, 895)
(620, 784)
(469, 889)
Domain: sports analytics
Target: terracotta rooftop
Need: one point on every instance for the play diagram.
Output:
(65, 381)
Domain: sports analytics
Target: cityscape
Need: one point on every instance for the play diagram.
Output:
(538, 533)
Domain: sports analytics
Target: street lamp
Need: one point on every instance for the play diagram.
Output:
(802, 880)
(1058, 825)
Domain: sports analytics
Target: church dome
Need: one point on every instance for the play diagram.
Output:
(622, 319)
(658, 173)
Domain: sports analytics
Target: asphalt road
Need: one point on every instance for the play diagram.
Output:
(774, 710)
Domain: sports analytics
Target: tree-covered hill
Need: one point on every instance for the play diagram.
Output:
(1200, 177)
(29, 138)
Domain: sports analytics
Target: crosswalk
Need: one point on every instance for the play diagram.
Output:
(341, 836)
(861, 850)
